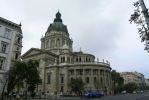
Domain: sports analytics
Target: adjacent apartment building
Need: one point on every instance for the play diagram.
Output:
(59, 64)
(135, 77)
(10, 46)
(147, 82)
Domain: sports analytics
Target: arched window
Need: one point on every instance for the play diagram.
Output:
(58, 43)
(47, 43)
(62, 79)
(62, 59)
(49, 79)
(52, 43)
(89, 59)
(80, 59)
(63, 42)
(86, 59)
(76, 59)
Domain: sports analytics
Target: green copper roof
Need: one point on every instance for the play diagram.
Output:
(57, 25)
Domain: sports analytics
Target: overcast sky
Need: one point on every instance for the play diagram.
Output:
(99, 27)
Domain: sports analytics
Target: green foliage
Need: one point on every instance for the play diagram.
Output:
(16, 75)
(130, 87)
(24, 72)
(32, 75)
(76, 85)
(147, 88)
(116, 78)
(118, 81)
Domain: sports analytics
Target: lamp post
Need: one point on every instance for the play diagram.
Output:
(6, 78)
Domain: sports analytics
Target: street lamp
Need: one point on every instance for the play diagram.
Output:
(6, 74)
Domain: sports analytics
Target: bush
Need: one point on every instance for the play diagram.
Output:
(130, 87)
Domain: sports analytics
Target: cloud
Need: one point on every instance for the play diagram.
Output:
(99, 27)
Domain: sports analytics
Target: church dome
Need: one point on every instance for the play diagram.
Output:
(57, 25)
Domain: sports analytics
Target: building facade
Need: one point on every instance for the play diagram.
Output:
(10, 46)
(59, 64)
(135, 77)
(147, 82)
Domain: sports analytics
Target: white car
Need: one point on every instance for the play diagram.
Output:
(124, 92)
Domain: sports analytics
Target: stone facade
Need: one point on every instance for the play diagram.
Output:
(135, 77)
(59, 64)
(10, 46)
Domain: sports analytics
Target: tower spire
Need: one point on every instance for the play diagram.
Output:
(58, 17)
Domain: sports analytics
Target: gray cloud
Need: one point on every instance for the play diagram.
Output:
(100, 27)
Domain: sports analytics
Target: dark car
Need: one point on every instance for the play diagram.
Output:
(93, 94)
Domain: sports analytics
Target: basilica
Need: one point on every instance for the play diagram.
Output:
(59, 64)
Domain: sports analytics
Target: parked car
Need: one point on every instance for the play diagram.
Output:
(134, 92)
(124, 92)
(93, 94)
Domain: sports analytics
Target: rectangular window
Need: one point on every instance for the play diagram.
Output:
(62, 78)
(87, 72)
(62, 89)
(68, 59)
(101, 80)
(7, 33)
(71, 72)
(4, 47)
(80, 72)
(101, 72)
(95, 71)
(87, 80)
(1, 62)
(62, 59)
(49, 79)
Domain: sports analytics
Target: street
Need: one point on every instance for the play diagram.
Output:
(143, 96)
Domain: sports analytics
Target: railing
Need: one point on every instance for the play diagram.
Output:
(85, 63)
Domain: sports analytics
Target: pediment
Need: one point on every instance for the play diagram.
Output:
(32, 52)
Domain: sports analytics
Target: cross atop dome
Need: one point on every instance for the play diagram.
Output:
(58, 17)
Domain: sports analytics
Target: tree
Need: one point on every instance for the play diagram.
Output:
(24, 73)
(32, 75)
(141, 19)
(77, 85)
(130, 87)
(16, 76)
(118, 81)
